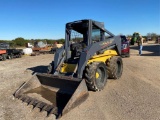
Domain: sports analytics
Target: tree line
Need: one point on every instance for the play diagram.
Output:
(22, 42)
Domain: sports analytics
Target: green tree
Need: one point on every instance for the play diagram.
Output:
(19, 41)
(12, 44)
(60, 41)
(152, 36)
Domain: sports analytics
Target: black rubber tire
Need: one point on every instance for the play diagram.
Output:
(10, 56)
(20, 55)
(4, 57)
(50, 68)
(93, 83)
(115, 67)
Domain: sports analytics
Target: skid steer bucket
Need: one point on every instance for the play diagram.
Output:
(54, 94)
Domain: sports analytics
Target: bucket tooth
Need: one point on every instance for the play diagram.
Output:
(21, 97)
(41, 106)
(27, 100)
(37, 104)
(31, 102)
(48, 109)
(18, 96)
(53, 111)
(44, 108)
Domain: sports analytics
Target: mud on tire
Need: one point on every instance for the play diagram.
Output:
(114, 67)
(96, 82)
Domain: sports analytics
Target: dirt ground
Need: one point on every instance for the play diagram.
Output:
(135, 96)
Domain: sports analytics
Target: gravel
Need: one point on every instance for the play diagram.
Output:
(135, 96)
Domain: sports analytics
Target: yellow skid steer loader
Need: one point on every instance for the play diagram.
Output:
(90, 56)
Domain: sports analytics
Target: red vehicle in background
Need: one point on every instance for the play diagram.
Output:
(125, 49)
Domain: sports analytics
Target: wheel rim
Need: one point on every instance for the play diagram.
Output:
(100, 75)
(97, 75)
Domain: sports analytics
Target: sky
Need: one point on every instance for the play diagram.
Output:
(46, 19)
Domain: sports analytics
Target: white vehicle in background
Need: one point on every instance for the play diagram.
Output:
(29, 45)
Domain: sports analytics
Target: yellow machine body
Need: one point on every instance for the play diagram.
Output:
(69, 68)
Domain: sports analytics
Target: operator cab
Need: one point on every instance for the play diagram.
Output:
(81, 34)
